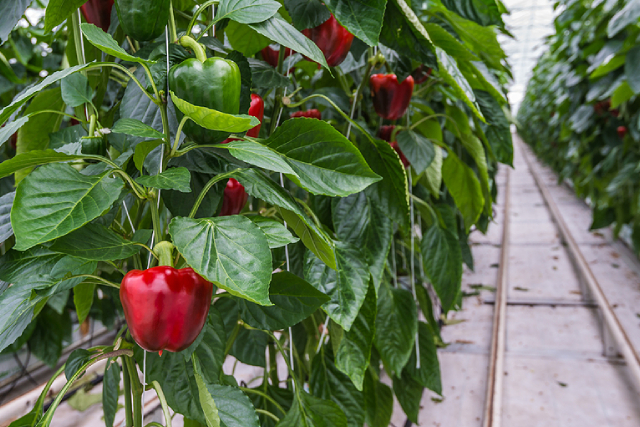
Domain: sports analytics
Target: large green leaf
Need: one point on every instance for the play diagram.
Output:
(498, 131)
(36, 158)
(324, 161)
(213, 119)
(245, 39)
(257, 154)
(58, 11)
(327, 382)
(629, 14)
(475, 148)
(400, 33)
(246, 11)
(110, 393)
(453, 77)
(484, 12)
(76, 90)
(10, 13)
(428, 375)
(277, 235)
(107, 44)
(347, 286)
(6, 202)
(442, 260)
(95, 242)
(444, 40)
(307, 13)
(357, 221)
(73, 200)
(83, 299)
(396, 326)
(294, 300)
(280, 31)
(465, 188)
(391, 195)
(136, 128)
(363, 18)
(378, 402)
(433, 175)
(409, 394)
(208, 405)
(418, 149)
(229, 251)
(172, 179)
(311, 411)
(354, 350)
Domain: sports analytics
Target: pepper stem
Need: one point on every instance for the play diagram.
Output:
(164, 251)
(197, 48)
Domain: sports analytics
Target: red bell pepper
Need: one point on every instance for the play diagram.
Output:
(390, 98)
(98, 12)
(622, 131)
(385, 134)
(421, 74)
(233, 199)
(165, 308)
(270, 55)
(312, 114)
(333, 40)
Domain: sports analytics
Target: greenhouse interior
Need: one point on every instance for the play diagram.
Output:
(319, 213)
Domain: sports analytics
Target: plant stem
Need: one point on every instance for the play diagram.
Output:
(198, 50)
(136, 391)
(267, 413)
(197, 13)
(155, 218)
(207, 187)
(173, 33)
(264, 396)
(277, 108)
(163, 402)
(128, 406)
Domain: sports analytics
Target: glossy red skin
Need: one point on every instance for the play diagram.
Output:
(333, 40)
(256, 109)
(622, 131)
(385, 134)
(421, 74)
(311, 114)
(165, 308)
(98, 12)
(270, 55)
(233, 199)
(390, 98)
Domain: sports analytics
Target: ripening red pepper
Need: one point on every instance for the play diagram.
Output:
(98, 12)
(390, 98)
(165, 308)
(622, 131)
(385, 134)
(312, 114)
(333, 40)
(270, 55)
(256, 109)
(421, 74)
(233, 199)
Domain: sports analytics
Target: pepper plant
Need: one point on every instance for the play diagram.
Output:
(227, 175)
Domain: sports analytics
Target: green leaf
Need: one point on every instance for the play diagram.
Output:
(328, 383)
(499, 130)
(484, 12)
(172, 179)
(76, 90)
(110, 393)
(230, 251)
(21, 99)
(258, 185)
(83, 299)
(409, 394)
(257, 154)
(622, 94)
(307, 13)
(58, 11)
(311, 411)
(6, 202)
(347, 285)
(354, 350)
(433, 174)
(215, 120)
(294, 300)
(136, 128)
(73, 200)
(357, 221)
(206, 401)
(631, 69)
(442, 260)
(277, 234)
(378, 402)
(36, 158)
(77, 358)
(391, 195)
(280, 31)
(444, 40)
(464, 187)
(418, 149)
(34, 135)
(107, 44)
(400, 33)
(142, 151)
(264, 75)
(628, 15)
(10, 13)
(245, 39)
(610, 64)
(246, 11)
(9, 129)
(97, 243)
(324, 161)
(363, 18)
(234, 407)
(475, 148)
(452, 76)
(396, 326)
(428, 375)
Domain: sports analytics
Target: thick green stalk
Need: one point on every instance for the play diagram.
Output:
(128, 406)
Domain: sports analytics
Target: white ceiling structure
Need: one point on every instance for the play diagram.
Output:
(530, 22)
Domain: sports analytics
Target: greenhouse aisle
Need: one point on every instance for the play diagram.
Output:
(555, 370)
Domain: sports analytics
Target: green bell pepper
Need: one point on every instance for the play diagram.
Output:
(143, 20)
(213, 83)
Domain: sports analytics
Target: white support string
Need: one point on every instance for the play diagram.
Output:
(126, 211)
(84, 58)
(325, 328)
(412, 262)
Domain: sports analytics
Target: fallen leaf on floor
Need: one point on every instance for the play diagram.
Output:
(597, 234)
(615, 266)
(470, 294)
(451, 321)
(556, 257)
(615, 254)
(518, 288)
(464, 342)
(481, 287)
(555, 267)
(562, 384)
(494, 265)
(575, 292)
(437, 399)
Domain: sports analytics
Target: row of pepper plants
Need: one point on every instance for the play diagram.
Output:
(285, 183)
(580, 113)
